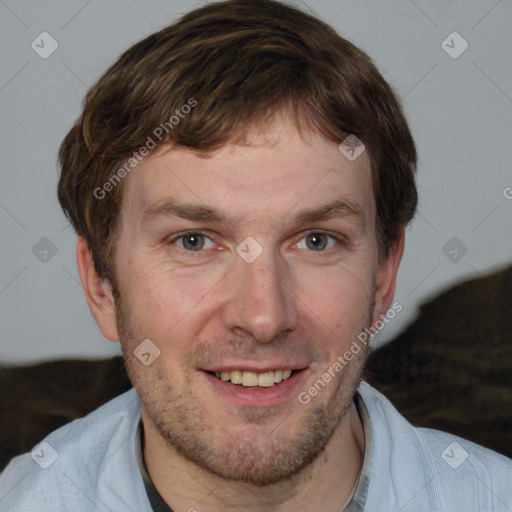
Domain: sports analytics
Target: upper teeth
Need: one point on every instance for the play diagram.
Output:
(265, 379)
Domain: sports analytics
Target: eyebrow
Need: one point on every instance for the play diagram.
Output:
(202, 213)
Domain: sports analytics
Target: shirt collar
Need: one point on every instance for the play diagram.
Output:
(355, 503)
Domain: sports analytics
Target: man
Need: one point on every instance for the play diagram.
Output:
(240, 183)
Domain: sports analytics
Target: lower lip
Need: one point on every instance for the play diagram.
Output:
(258, 397)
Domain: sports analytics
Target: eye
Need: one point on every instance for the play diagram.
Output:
(193, 241)
(318, 241)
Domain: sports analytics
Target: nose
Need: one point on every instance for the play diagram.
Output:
(260, 301)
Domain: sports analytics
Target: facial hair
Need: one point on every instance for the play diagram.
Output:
(261, 452)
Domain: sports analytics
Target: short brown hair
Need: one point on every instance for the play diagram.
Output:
(241, 61)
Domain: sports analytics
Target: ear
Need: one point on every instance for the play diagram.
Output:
(386, 278)
(97, 292)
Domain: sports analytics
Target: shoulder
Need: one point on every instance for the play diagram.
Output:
(427, 467)
(467, 474)
(80, 465)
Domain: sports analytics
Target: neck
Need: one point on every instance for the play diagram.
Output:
(325, 484)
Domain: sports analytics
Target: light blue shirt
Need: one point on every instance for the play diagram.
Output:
(91, 465)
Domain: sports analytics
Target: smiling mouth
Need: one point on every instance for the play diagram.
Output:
(252, 379)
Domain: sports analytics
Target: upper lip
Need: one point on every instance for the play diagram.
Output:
(254, 367)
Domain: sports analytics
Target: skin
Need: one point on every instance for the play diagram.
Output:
(295, 303)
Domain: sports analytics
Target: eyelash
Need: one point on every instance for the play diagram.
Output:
(338, 238)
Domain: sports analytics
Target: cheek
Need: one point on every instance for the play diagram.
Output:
(340, 301)
(157, 307)
(161, 301)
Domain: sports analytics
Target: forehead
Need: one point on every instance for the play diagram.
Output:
(280, 173)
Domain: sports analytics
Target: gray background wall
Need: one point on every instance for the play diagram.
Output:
(459, 110)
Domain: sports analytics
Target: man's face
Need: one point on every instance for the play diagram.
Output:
(210, 309)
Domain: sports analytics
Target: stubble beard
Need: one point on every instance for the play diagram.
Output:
(261, 453)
